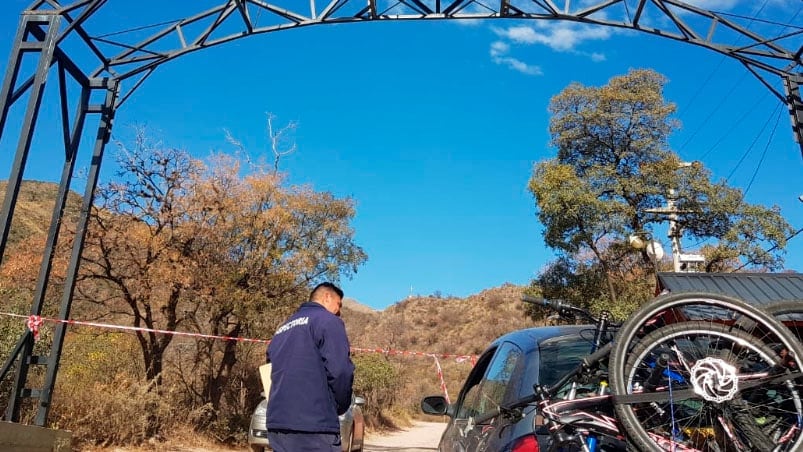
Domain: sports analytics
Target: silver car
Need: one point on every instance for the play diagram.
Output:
(352, 427)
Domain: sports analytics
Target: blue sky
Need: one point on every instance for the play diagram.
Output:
(433, 128)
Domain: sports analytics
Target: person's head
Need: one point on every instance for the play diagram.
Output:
(329, 296)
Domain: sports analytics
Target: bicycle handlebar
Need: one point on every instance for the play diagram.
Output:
(560, 306)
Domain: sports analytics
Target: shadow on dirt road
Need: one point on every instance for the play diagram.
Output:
(420, 437)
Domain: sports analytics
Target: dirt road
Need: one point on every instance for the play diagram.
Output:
(420, 437)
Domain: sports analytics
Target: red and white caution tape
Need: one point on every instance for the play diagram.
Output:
(34, 322)
(441, 380)
(435, 356)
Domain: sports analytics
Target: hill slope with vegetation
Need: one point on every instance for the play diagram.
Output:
(460, 328)
(34, 208)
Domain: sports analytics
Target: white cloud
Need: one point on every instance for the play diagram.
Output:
(521, 66)
(499, 48)
(597, 57)
(499, 55)
(520, 34)
(559, 36)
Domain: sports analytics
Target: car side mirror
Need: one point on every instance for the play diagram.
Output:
(359, 401)
(435, 405)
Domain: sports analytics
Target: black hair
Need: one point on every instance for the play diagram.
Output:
(326, 286)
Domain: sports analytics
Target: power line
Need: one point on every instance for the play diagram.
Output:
(627, 11)
(753, 143)
(752, 179)
(704, 84)
(734, 125)
(772, 133)
(765, 21)
(763, 154)
(768, 250)
(140, 28)
(713, 112)
(710, 76)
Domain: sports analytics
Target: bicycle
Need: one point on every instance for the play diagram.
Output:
(725, 386)
(687, 372)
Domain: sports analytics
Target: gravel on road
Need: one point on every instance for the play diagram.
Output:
(421, 436)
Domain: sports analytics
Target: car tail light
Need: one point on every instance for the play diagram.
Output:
(526, 444)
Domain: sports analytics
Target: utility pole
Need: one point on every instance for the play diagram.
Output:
(674, 231)
(680, 261)
(674, 234)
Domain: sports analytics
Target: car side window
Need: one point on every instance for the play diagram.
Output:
(494, 389)
(559, 355)
(504, 370)
(467, 405)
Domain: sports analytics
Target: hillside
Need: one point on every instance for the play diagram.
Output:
(440, 325)
(34, 208)
(433, 325)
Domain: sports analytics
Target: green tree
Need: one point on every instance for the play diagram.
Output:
(613, 165)
(376, 380)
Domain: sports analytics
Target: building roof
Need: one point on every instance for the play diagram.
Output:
(755, 288)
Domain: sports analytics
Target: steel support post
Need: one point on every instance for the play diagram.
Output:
(39, 33)
(46, 46)
(792, 84)
(106, 111)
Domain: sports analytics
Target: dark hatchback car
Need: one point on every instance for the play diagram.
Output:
(505, 373)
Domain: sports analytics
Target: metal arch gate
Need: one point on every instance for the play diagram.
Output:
(47, 26)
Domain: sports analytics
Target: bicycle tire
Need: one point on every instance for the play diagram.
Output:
(785, 307)
(639, 324)
(695, 420)
(779, 309)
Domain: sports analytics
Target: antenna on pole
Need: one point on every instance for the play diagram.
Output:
(680, 261)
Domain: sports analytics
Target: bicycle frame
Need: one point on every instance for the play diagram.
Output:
(587, 425)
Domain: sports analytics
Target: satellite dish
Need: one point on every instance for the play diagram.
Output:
(637, 242)
(655, 251)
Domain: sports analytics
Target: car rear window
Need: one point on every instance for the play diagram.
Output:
(559, 355)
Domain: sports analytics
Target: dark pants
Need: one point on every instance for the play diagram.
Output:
(294, 441)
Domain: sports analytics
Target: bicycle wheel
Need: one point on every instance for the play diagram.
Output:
(790, 313)
(640, 333)
(716, 388)
(673, 308)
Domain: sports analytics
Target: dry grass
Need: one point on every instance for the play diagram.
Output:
(182, 439)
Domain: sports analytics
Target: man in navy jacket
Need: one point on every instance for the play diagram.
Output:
(312, 375)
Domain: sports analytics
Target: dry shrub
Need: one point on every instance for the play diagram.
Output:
(415, 377)
(100, 394)
(120, 412)
(376, 379)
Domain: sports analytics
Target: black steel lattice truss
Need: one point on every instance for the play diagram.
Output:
(78, 41)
